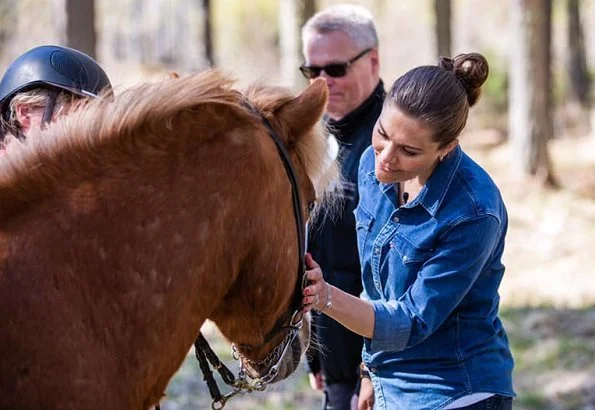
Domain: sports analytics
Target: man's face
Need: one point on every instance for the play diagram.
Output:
(350, 91)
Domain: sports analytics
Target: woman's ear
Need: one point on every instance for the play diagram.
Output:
(448, 148)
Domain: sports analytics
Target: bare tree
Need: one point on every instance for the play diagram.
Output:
(8, 21)
(208, 32)
(80, 26)
(530, 87)
(292, 15)
(308, 8)
(442, 11)
(580, 83)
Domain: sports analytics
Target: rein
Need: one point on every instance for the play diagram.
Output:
(205, 355)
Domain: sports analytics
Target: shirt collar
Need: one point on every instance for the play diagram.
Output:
(436, 187)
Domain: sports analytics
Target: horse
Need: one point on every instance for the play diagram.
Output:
(129, 222)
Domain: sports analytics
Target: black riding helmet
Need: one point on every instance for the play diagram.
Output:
(52, 67)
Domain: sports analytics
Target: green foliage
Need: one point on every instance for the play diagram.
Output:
(495, 89)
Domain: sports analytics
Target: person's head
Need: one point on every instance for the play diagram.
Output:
(340, 44)
(43, 83)
(423, 115)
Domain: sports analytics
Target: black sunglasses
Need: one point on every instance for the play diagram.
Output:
(332, 70)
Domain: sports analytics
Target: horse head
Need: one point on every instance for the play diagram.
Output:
(268, 328)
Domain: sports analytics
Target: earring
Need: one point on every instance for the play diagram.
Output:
(441, 158)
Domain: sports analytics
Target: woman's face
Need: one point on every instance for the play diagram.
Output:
(404, 147)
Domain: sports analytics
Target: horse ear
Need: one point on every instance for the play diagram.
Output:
(302, 113)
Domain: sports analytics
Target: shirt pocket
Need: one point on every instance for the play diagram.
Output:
(405, 260)
(364, 222)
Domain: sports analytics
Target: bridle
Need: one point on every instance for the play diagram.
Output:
(291, 322)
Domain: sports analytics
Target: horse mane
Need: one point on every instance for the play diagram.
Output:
(68, 150)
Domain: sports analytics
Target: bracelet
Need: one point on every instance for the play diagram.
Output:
(329, 299)
(363, 371)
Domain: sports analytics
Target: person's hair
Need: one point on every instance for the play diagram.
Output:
(440, 96)
(36, 97)
(355, 21)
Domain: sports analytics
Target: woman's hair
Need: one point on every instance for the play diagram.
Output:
(355, 21)
(35, 98)
(440, 96)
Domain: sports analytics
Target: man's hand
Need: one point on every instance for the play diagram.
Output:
(316, 381)
(366, 395)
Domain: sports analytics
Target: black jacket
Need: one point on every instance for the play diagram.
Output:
(333, 245)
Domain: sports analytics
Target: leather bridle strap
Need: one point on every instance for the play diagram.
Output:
(203, 351)
(299, 220)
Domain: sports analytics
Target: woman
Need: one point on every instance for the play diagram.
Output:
(431, 226)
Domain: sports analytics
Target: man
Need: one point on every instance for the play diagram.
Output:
(43, 83)
(340, 44)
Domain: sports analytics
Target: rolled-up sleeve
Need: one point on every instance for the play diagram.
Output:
(391, 326)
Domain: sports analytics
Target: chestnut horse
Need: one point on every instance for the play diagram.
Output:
(128, 223)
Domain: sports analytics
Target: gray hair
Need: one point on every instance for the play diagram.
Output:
(355, 21)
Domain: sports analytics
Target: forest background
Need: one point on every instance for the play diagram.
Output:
(532, 130)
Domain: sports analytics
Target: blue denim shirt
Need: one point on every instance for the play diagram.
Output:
(431, 269)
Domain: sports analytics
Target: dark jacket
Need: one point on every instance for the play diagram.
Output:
(333, 245)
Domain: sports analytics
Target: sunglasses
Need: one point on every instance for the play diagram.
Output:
(335, 70)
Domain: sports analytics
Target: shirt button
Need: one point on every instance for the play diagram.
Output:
(396, 219)
(376, 251)
(405, 258)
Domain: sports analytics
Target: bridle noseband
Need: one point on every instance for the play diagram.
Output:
(294, 317)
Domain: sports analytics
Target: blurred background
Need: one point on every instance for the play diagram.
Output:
(532, 130)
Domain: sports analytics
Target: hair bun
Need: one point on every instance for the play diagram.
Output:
(470, 69)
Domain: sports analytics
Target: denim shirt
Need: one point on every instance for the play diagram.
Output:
(431, 269)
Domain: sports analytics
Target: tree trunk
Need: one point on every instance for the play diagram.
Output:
(530, 87)
(80, 26)
(579, 81)
(308, 8)
(8, 21)
(208, 32)
(289, 42)
(442, 11)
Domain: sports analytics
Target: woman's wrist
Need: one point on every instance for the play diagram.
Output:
(363, 371)
(329, 298)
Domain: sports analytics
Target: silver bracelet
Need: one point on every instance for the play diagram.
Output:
(329, 299)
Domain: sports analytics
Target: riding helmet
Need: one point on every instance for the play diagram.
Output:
(53, 66)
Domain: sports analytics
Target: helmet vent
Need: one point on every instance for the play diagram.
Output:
(70, 67)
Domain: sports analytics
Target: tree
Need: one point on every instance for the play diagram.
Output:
(208, 32)
(8, 21)
(530, 89)
(579, 81)
(80, 26)
(292, 16)
(442, 11)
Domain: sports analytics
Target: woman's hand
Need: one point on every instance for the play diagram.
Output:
(315, 293)
(365, 400)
